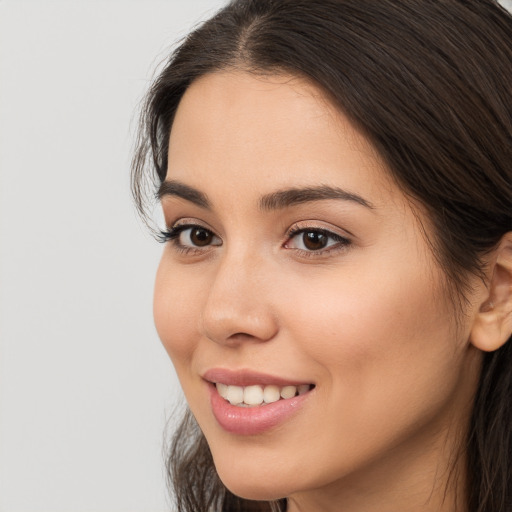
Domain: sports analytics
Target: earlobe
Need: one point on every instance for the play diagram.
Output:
(492, 326)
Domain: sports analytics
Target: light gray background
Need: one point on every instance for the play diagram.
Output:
(85, 387)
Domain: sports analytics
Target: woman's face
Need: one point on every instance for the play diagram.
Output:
(294, 260)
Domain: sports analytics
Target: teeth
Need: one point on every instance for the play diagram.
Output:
(256, 395)
(223, 390)
(271, 394)
(235, 395)
(253, 395)
(303, 388)
(288, 392)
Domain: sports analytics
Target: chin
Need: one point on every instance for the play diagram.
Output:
(253, 490)
(256, 483)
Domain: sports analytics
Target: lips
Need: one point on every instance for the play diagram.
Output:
(247, 378)
(249, 403)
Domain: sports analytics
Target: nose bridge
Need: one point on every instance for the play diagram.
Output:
(237, 306)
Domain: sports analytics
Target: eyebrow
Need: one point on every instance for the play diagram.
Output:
(293, 196)
(274, 201)
(176, 188)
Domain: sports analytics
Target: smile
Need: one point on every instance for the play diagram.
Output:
(256, 395)
(245, 402)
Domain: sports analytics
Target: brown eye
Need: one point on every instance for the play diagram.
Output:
(314, 240)
(201, 237)
(195, 236)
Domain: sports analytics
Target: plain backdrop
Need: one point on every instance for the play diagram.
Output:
(85, 387)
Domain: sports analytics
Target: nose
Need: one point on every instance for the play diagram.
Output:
(238, 306)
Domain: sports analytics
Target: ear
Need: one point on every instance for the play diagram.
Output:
(492, 326)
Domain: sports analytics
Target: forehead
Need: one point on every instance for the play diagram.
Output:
(253, 134)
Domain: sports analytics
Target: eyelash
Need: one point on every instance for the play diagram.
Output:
(173, 234)
(341, 243)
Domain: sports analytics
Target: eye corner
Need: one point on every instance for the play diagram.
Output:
(162, 236)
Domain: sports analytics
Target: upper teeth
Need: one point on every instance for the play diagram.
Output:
(256, 395)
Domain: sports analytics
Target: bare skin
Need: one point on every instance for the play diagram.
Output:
(366, 318)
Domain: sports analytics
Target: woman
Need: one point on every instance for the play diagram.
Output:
(336, 287)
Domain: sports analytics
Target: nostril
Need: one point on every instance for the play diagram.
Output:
(233, 326)
(242, 336)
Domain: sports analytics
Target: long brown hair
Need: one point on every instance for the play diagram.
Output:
(429, 83)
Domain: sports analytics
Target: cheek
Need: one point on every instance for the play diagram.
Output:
(352, 312)
(176, 305)
(379, 339)
(384, 353)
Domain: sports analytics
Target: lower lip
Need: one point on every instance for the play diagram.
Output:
(250, 421)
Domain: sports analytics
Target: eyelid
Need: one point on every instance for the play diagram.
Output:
(175, 229)
(190, 222)
(342, 241)
(337, 239)
(319, 226)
